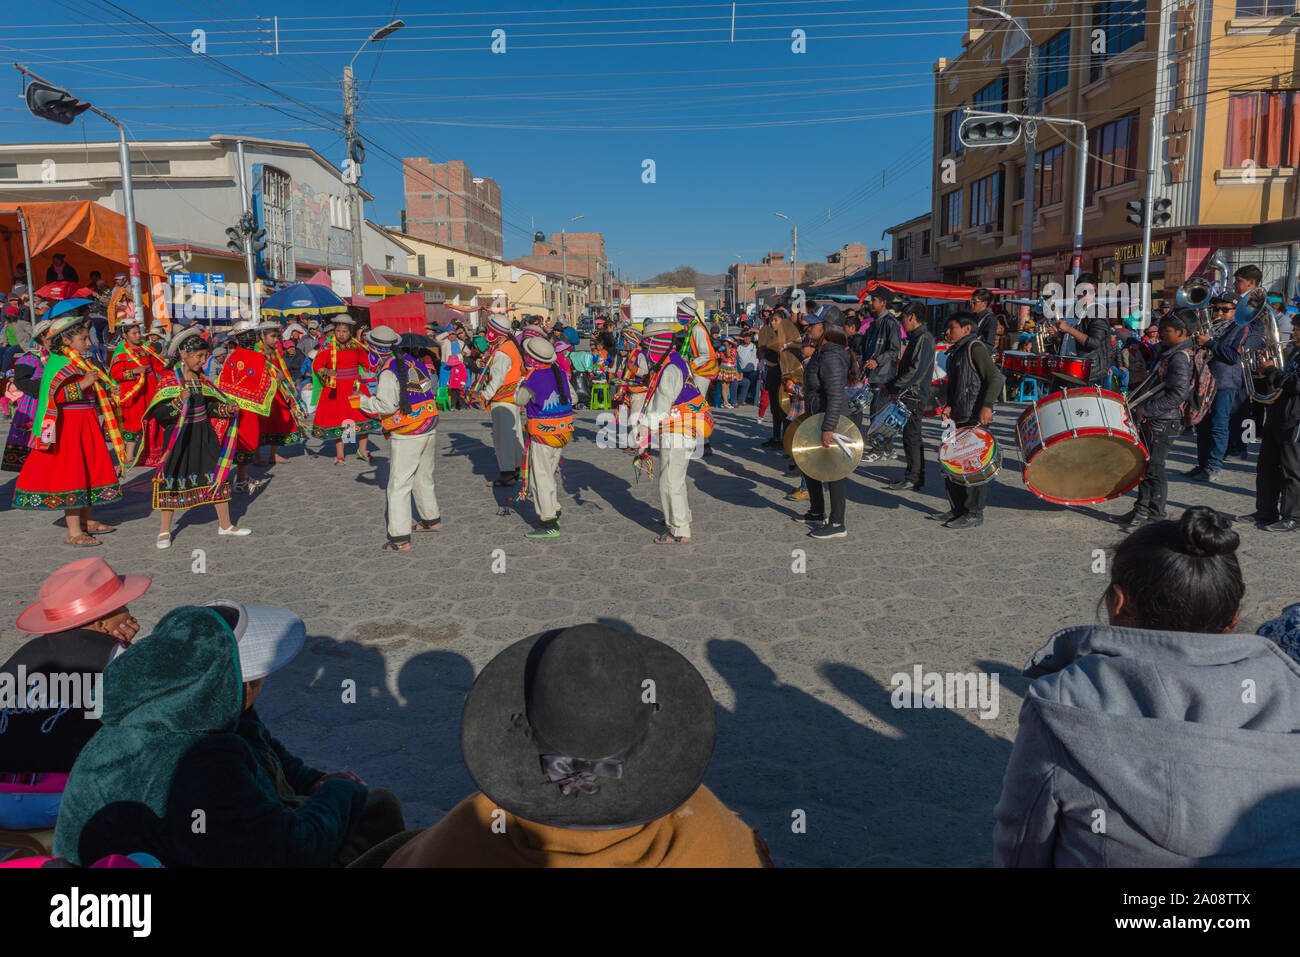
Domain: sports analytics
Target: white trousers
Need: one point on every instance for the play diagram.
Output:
(410, 475)
(542, 462)
(674, 456)
(507, 436)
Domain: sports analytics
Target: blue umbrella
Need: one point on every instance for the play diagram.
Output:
(304, 298)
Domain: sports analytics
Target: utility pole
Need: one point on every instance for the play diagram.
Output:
(255, 307)
(354, 188)
(1153, 159)
(794, 263)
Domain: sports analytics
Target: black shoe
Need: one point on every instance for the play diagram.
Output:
(829, 531)
(810, 516)
(1137, 521)
(772, 444)
(965, 520)
(942, 516)
(1193, 473)
(1207, 476)
(1285, 525)
(1254, 518)
(904, 483)
(708, 450)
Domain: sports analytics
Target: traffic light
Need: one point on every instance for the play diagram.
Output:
(258, 241)
(1137, 214)
(235, 240)
(54, 104)
(1160, 215)
(998, 129)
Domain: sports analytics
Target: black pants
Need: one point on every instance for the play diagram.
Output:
(817, 499)
(967, 499)
(912, 446)
(1278, 476)
(1154, 488)
(774, 400)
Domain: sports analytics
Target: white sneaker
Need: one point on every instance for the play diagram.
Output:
(164, 540)
(234, 530)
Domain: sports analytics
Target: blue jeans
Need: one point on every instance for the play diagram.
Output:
(748, 386)
(1212, 433)
(1121, 377)
(7, 356)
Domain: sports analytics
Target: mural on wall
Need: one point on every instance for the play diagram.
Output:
(313, 226)
(301, 225)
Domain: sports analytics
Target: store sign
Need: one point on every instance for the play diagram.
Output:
(1159, 249)
(1180, 118)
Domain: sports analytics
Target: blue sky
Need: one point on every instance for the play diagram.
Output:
(563, 120)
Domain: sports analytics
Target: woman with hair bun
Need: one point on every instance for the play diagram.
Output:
(1159, 739)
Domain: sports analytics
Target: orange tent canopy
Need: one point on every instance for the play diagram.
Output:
(91, 236)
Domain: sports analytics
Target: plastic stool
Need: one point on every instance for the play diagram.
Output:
(444, 398)
(600, 395)
(1029, 391)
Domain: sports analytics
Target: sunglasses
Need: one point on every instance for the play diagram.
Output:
(1223, 309)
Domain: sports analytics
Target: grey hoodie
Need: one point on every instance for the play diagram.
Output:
(1150, 748)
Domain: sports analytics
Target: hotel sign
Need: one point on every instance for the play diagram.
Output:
(1159, 248)
(1180, 117)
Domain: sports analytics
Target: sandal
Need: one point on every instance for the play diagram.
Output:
(397, 546)
(503, 483)
(99, 528)
(83, 541)
(669, 539)
(433, 526)
(366, 457)
(338, 461)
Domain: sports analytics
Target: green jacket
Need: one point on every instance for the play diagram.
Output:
(172, 771)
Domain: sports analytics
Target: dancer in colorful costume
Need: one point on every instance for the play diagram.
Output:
(68, 465)
(247, 380)
(285, 423)
(136, 369)
(675, 410)
(698, 351)
(634, 377)
(25, 390)
(202, 426)
(407, 404)
(545, 397)
(336, 373)
(496, 388)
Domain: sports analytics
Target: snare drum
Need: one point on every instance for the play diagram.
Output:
(1025, 364)
(970, 456)
(1080, 447)
(1069, 369)
(886, 424)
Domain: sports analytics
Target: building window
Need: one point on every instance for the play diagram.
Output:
(986, 202)
(8, 170)
(1049, 176)
(1114, 153)
(1262, 128)
(1054, 65)
(389, 262)
(1123, 24)
(1265, 8)
(473, 272)
(951, 125)
(925, 243)
(451, 269)
(951, 224)
(992, 97)
(900, 250)
(148, 167)
(277, 258)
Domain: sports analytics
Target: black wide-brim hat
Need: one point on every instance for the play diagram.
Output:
(583, 693)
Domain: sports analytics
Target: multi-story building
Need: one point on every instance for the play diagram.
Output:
(580, 255)
(445, 203)
(913, 241)
(1220, 78)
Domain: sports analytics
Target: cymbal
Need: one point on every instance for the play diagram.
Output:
(818, 462)
(790, 426)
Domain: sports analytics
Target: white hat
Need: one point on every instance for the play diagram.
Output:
(268, 326)
(539, 350)
(130, 321)
(269, 636)
(383, 336)
(243, 325)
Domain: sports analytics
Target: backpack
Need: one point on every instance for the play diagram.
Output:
(1198, 403)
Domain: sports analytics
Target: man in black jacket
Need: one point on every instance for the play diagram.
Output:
(1278, 476)
(986, 320)
(1160, 417)
(1091, 337)
(974, 383)
(825, 378)
(912, 387)
(883, 343)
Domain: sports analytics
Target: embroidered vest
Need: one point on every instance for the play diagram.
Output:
(550, 410)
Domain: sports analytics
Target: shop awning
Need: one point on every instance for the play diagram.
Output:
(927, 290)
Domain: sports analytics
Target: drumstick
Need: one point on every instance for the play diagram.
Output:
(841, 441)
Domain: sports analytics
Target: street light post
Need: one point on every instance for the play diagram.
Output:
(794, 240)
(354, 153)
(564, 266)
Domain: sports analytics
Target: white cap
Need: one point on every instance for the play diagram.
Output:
(269, 636)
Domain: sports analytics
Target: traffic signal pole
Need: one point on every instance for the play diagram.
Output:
(255, 307)
(1152, 160)
(128, 191)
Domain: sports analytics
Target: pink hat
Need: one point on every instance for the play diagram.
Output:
(78, 594)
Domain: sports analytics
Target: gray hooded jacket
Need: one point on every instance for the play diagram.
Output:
(1151, 748)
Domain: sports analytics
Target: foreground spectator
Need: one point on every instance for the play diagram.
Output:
(81, 621)
(1159, 739)
(579, 768)
(183, 768)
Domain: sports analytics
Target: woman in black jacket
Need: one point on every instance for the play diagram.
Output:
(826, 376)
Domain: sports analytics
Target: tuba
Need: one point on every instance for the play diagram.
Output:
(1259, 347)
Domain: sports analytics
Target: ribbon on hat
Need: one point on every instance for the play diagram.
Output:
(575, 775)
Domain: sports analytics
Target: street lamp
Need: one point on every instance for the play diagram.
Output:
(564, 264)
(1031, 158)
(356, 152)
(794, 233)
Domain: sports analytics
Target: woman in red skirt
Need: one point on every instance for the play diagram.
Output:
(283, 425)
(135, 368)
(69, 466)
(336, 374)
(247, 380)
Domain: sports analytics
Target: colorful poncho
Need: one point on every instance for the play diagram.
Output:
(19, 442)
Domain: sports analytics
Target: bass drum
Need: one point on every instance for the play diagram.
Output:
(1080, 447)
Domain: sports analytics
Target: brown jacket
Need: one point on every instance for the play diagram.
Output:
(780, 338)
(700, 833)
